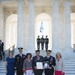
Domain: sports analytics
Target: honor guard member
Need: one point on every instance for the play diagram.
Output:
(49, 64)
(42, 42)
(38, 43)
(46, 43)
(19, 59)
(37, 58)
(1, 49)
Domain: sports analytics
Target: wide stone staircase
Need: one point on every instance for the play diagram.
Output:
(2, 68)
(69, 64)
(69, 67)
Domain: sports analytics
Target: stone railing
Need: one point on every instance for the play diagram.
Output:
(12, 48)
(74, 47)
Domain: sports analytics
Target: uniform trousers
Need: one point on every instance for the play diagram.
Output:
(49, 71)
(38, 72)
(19, 71)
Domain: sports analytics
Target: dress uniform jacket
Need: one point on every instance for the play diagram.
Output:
(46, 43)
(38, 40)
(38, 43)
(19, 63)
(34, 61)
(1, 49)
(42, 42)
(51, 63)
(1, 46)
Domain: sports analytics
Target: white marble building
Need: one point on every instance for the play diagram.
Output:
(20, 21)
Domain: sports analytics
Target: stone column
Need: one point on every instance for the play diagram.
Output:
(1, 23)
(55, 28)
(31, 44)
(67, 20)
(20, 24)
(61, 25)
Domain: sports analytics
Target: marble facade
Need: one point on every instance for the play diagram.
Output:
(27, 11)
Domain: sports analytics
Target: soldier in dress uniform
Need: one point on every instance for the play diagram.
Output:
(46, 43)
(19, 59)
(37, 58)
(49, 63)
(1, 49)
(38, 43)
(42, 42)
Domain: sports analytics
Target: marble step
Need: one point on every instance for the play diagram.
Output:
(69, 67)
(69, 74)
(2, 70)
(69, 64)
(2, 74)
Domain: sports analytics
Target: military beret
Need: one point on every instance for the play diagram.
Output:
(37, 51)
(49, 51)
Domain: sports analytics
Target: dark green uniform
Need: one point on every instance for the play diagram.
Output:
(42, 43)
(38, 43)
(51, 63)
(1, 50)
(46, 43)
(19, 63)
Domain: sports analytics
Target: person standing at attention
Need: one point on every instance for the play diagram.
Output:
(19, 59)
(49, 63)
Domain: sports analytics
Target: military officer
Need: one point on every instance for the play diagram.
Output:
(46, 43)
(37, 58)
(38, 43)
(42, 42)
(49, 63)
(19, 59)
